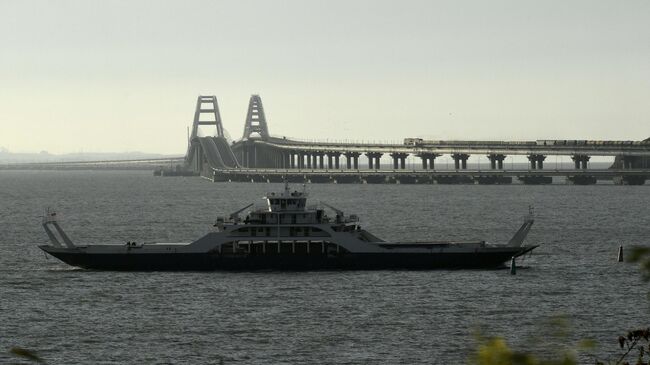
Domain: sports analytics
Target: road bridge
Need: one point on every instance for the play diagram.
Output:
(260, 153)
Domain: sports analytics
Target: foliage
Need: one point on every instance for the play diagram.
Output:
(495, 351)
(633, 340)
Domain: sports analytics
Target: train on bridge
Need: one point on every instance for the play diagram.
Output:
(554, 142)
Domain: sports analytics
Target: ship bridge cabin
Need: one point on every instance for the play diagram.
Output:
(286, 201)
(287, 208)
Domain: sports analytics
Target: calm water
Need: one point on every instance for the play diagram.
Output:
(73, 316)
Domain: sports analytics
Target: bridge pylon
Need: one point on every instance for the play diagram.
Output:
(207, 105)
(255, 119)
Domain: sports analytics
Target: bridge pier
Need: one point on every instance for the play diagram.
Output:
(535, 179)
(321, 165)
(333, 160)
(292, 160)
(198, 159)
(300, 163)
(374, 156)
(399, 160)
(630, 180)
(308, 155)
(352, 160)
(430, 158)
(460, 160)
(301, 160)
(629, 161)
(333, 156)
(285, 159)
(496, 161)
(580, 161)
(536, 161)
(582, 180)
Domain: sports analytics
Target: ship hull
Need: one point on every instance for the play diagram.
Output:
(286, 262)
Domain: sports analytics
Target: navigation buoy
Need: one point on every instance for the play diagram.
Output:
(620, 253)
(513, 266)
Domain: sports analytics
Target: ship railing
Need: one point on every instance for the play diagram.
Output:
(352, 218)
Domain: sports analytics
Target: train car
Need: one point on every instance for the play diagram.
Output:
(545, 142)
(413, 141)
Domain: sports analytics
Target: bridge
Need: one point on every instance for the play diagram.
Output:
(126, 164)
(259, 156)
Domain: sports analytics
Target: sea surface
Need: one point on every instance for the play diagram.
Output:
(73, 316)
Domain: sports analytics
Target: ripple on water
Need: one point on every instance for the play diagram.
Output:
(77, 316)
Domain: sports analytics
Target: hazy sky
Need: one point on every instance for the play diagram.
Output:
(112, 76)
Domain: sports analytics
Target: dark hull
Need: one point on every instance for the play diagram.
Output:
(287, 262)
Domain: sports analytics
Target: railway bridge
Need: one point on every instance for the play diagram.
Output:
(260, 156)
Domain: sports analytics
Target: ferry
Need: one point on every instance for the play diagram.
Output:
(286, 234)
